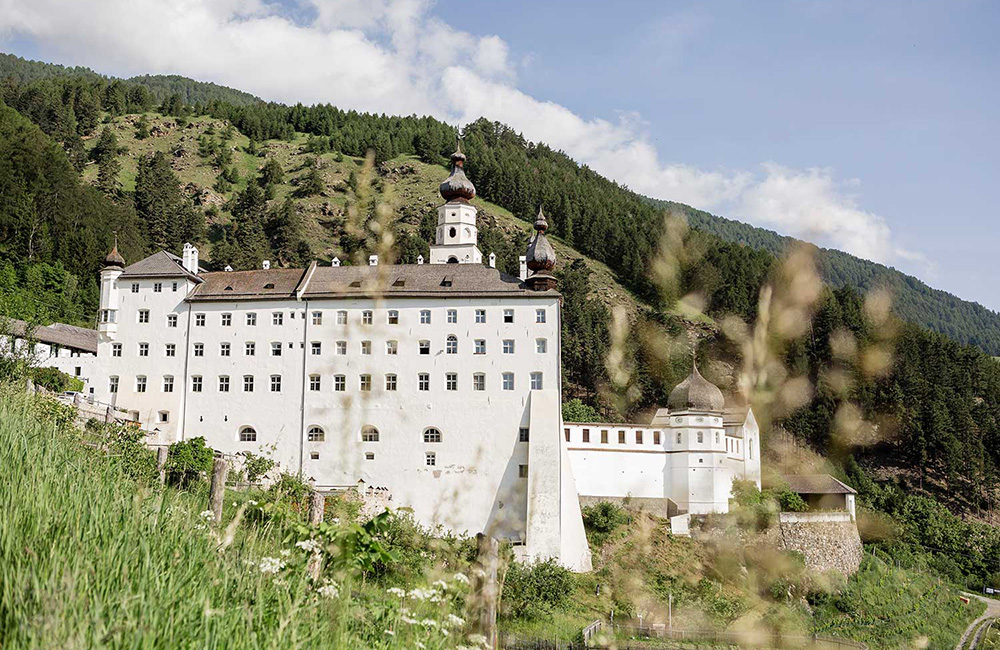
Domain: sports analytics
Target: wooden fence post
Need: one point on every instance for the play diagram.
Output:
(317, 507)
(161, 463)
(485, 590)
(215, 498)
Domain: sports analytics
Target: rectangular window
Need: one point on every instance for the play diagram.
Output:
(339, 383)
(508, 315)
(536, 381)
(366, 382)
(393, 317)
(171, 320)
(174, 287)
(251, 319)
(168, 384)
(275, 383)
(604, 437)
(317, 348)
(522, 471)
(656, 437)
(540, 315)
(341, 347)
(430, 459)
(423, 381)
(638, 437)
(366, 347)
(541, 346)
(480, 347)
(341, 317)
(157, 287)
(391, 347)
(199, 320)
(112, 384)
(224, 349)
(223, 383)
(480, 315)
(314, 382)
(586, 435)
(425, 316)
(621, 437)
(144, 349)
(250, 348)
(278, 318)
(275, 349)
(143, 315)
(508, 381)
(317, 318)
(199, 349)
(566, 433)
(479, 381)
(366, 317)
(196, 384)
(451, 381)
(452, 315)
(522, 434)
(170, 350)
(135, 287)
(247, 383)
(227, 320)
(508, 346)
(425, 347)
(390, 382)
(140, 384)
(163, 416)
(116, 349)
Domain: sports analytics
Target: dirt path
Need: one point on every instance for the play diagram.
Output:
(992, 611)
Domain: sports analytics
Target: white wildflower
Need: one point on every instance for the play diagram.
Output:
(429, 622)
(271, 565)
(390, 633)
(396, 591)
(445, 632)
(336, 521)
(441, 584)
(455, 620)
(477, 639)
(420, 594)
(200, 526)
(409, 621)
(309, 546)
(207, 515)
(329, 590)
(251, 502)
(461, 577)
(285, 552)
(421, 645)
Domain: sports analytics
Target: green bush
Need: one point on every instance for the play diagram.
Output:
(602, 519)
(256, 466)
(533, 590)
(187, 460)
(576, 411)
(791, 502)
(55, 380)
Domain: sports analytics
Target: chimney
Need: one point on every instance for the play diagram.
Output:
(420, 259)
(493, 260)
(373, 260)
(266, 264)
(523, 263)
(335, 261)
(190, 258)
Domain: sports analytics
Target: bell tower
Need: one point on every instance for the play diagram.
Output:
(456, 236)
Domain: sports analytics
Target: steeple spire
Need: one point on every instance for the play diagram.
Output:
(114, 258)
(457, 186)
(541, 257)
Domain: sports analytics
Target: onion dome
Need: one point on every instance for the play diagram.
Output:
(696, 394)
(457, 185)
(541, 256)
(114, 258)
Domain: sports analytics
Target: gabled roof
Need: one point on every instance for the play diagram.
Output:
(735, 415)
(158, 265)
(816, 484)
(260, 284)
(68, 336)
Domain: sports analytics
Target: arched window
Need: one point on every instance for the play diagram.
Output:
(452, 260)
(248, 434)
(432, 435)
(316, 434)
(369, 433)
(452, 345)
(452, 232)
(701, 436)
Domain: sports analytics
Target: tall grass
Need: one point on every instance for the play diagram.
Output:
(90, 557)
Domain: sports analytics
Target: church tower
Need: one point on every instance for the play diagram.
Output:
(114, 264)
(456, 236)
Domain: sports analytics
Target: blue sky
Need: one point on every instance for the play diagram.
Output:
(870, 127)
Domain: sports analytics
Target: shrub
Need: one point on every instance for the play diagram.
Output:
(256, 466)
(54, 380)
(790, 501)
(532, 590)
(576, 411)
(187, 460)
(602, 519)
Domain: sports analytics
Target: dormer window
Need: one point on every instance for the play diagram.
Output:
(228, 289)
(446, 281)
(269, 285)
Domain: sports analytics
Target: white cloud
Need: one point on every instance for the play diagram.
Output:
(393, 56)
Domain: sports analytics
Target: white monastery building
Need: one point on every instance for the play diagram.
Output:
(438, 384)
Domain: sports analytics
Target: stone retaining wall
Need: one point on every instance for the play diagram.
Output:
(826, 540)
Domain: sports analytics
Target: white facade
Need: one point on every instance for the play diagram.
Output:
(687, 457)
(456, 235)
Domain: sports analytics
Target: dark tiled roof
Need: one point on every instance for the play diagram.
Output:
(816, 484)
(259, 284)
(735, 415)
(696, 393)
(158, 265)
(68, 336)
